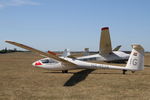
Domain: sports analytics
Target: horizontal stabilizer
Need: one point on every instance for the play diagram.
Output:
(117, 48)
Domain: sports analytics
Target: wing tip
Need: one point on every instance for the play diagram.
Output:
(8, 41)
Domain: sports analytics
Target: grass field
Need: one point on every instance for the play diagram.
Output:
(147, 59)
(20, 81)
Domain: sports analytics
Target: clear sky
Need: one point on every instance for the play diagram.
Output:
(74, 24)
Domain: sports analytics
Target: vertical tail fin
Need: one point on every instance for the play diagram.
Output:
(105, 41)
(86, 51)
(66, 53)
(136, 60)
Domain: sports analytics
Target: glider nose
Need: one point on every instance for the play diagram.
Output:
(37, 63)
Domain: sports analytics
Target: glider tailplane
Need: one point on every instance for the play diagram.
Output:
(117, 48)
(136, 59)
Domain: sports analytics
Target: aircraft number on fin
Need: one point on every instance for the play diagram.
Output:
(133, 61)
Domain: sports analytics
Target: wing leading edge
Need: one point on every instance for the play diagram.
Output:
(40, 52)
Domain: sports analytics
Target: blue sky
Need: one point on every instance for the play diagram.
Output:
(74, 24)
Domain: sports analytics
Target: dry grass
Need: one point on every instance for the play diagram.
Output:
(147, 59)
(20, 81)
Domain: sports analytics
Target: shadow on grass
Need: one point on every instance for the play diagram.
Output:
(83, 72)
(78, 77)
(88, 71)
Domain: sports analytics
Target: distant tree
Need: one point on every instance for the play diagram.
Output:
(10, 50)
(4, 50)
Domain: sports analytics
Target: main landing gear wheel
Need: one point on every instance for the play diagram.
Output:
(64, 71)
(133, 71)
(124, 72)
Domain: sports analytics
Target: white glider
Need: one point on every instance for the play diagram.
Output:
(105, 50)
(53, 62)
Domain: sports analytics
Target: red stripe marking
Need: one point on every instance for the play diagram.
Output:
(53, 53)
(105, 28)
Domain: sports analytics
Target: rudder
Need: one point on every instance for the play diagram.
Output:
(136, 59)
(105, 41)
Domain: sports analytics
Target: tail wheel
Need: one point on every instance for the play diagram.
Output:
(64, 71)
